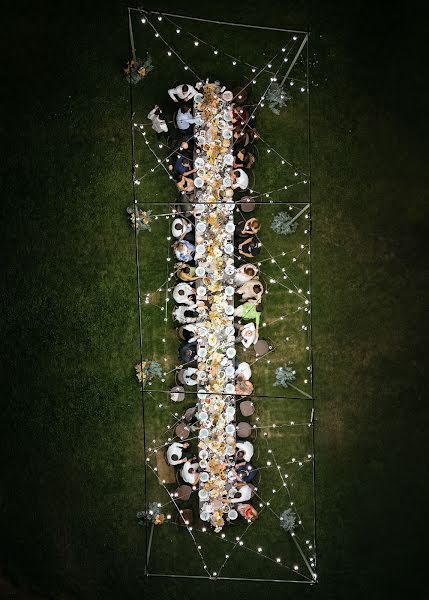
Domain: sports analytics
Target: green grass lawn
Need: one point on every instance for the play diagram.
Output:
(71, 428)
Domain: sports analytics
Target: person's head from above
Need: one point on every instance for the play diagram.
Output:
(194, 376)
(259, 308)
(257, 288)
(185, 108)
(192, 297)
(184, 146)
(240, 454)
(186, 445)
(254, 223)
(191, 470)
(185, 88)
(158, 111)
(237, 495)
(180, 246)
(186, 270)
(188, 314)
(181, 292)
(178, 226)
(185, 161)
(248, 270)
(174, 457)
(240, 154)
(242, 473)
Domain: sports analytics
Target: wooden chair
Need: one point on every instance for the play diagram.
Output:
(183, 492)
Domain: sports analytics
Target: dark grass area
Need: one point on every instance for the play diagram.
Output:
(72, 476)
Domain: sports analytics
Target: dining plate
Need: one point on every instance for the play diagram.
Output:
(201, 227)
(229, 290)
(229, 310)
(204, 478)
(227, 96)
(198, 182)
(232, 515)
(203, 416)
(229, 330)
(230, 387)
(229, 248)
(228, 159)
(198, 98)
(201, 290)
(227, 181)
(201, 248)
(230, 371)
(199, 162)
(229, 428)
(230, 269)
(226, 134)
(231, 352)
(203, 494)
(203, 433)
(230, 227)
(202, 352)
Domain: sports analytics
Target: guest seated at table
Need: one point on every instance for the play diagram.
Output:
(184, 250)
(182, 229)
(248, 335)
(243, 370)
(190, 314)
(246, 473)
(244, 452)
(251, 290)
(243, 387)
(183, 144)
(249, 311)
(185, 185)
(189, 473)
(158, 124)
(184, 118)
(190, 376)
(245, 273)
(190, 333)
(184, 92)
(183, 293)
(240, 116)
(178, 453)
(246, 228)
(186, 273)
(187, 352)
(248, 512)
(250, 247)
(182, 166)
(240, 179)
(244, 136)
(243, 159)
(244, 493)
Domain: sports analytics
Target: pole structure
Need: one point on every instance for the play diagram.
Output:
(130, 28)
(304, 41)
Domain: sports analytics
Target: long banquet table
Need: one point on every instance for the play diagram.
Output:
(214, 258)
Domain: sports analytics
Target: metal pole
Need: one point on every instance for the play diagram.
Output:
(304, 41)
(130, 28)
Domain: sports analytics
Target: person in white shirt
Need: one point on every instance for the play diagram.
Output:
(251, 290)
(184, 92)
(245, 273)
(189, 473)
(244, 371)
(177, 453)
(243, 495)
(249, 334)
(240, 178)
(182, 294)
(190, 376)
(181, 227)
(184, 118)
(246, 449)
(158, 124)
